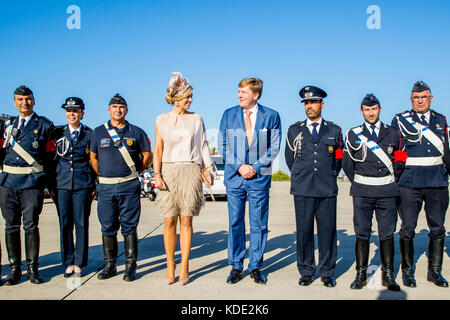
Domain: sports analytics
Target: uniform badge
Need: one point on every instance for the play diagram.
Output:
(129, 142)
(307, 88)
(330, 149)
(36, 131)
(308, 94)
(438, 126)
(35, 144)
(390, 150)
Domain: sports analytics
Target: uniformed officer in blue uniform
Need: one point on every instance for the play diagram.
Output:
(314, 155)
(119, 152)
(28, 149)
(425, 179)
(75, 185)
(369, 164)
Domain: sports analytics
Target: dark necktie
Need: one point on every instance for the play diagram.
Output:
(75, 135)
(424, 120)
(314, 131)
(22, 124)
(374, 134)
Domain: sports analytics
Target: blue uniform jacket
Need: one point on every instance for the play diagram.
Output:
(315, 168)
(424, 176)
(263, 149)
(389, 141)
(72, 170)
(37, 129)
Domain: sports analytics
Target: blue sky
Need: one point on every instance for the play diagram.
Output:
(131, 47)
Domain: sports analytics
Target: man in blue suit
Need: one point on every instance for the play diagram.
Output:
(249, 140)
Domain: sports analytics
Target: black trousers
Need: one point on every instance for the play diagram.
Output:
(436, 204)
(324, 209)
(385, 212)
(21, 205)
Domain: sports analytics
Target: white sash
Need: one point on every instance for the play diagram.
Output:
(126, 156)
(35, 166)
(375, 148)
(426, 132)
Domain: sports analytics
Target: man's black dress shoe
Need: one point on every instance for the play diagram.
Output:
(306, 280)
(329, 282)
(235, 276)
(258, 276)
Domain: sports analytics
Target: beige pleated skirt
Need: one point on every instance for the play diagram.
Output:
(184, 194)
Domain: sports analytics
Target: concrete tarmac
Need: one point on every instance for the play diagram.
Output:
(208, 262)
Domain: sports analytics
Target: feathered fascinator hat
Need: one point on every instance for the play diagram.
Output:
(178, 88)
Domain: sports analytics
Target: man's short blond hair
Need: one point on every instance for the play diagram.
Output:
(255, 84)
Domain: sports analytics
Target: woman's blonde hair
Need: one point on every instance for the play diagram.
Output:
(178, 88)
(255, 84)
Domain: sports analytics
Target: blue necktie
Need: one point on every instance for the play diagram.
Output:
(424, 120)
(314, 131)
(22, 124)
(75, 135)
(374, 134)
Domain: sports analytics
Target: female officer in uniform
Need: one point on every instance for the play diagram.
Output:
(75, 185)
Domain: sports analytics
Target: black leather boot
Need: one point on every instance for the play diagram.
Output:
(362, 260)
(13, 247)
(110, 254)
(387, 265)
(131, 252)
(435, 255)
(32, 256)
(407, 252)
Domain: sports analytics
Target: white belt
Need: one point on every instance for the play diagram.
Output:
(23, 170)
(107, 180)
(374, 181)
(424, 161)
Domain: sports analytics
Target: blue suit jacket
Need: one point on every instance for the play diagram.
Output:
(263, 149)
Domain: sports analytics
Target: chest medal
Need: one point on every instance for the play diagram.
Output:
(35, 144)
(330, 149)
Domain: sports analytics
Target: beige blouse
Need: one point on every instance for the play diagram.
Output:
(184, 138)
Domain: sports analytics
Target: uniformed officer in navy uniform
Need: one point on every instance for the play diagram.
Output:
(2, 155)
(75, 185)
(119, 152)
(369, 164)
(28, 148)
(425, 179)
(314, 155)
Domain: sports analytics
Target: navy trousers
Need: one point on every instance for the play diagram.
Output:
(385, 212)
(74, 208)
(258, 217)
(324, 209)
(119, 206)
(436, 204)
(21, 204)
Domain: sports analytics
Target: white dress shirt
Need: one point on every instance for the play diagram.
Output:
(427, 116)
(254, 111)
(26, 120)
(310, 127)
(377, 127)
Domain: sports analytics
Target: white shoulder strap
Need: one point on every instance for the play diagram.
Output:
(375, 148)
(123, 150)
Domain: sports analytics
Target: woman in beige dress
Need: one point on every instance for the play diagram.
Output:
(181, 154)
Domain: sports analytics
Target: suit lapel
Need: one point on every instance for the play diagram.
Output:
(383, 132)
(323, 130)
(31, 125)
